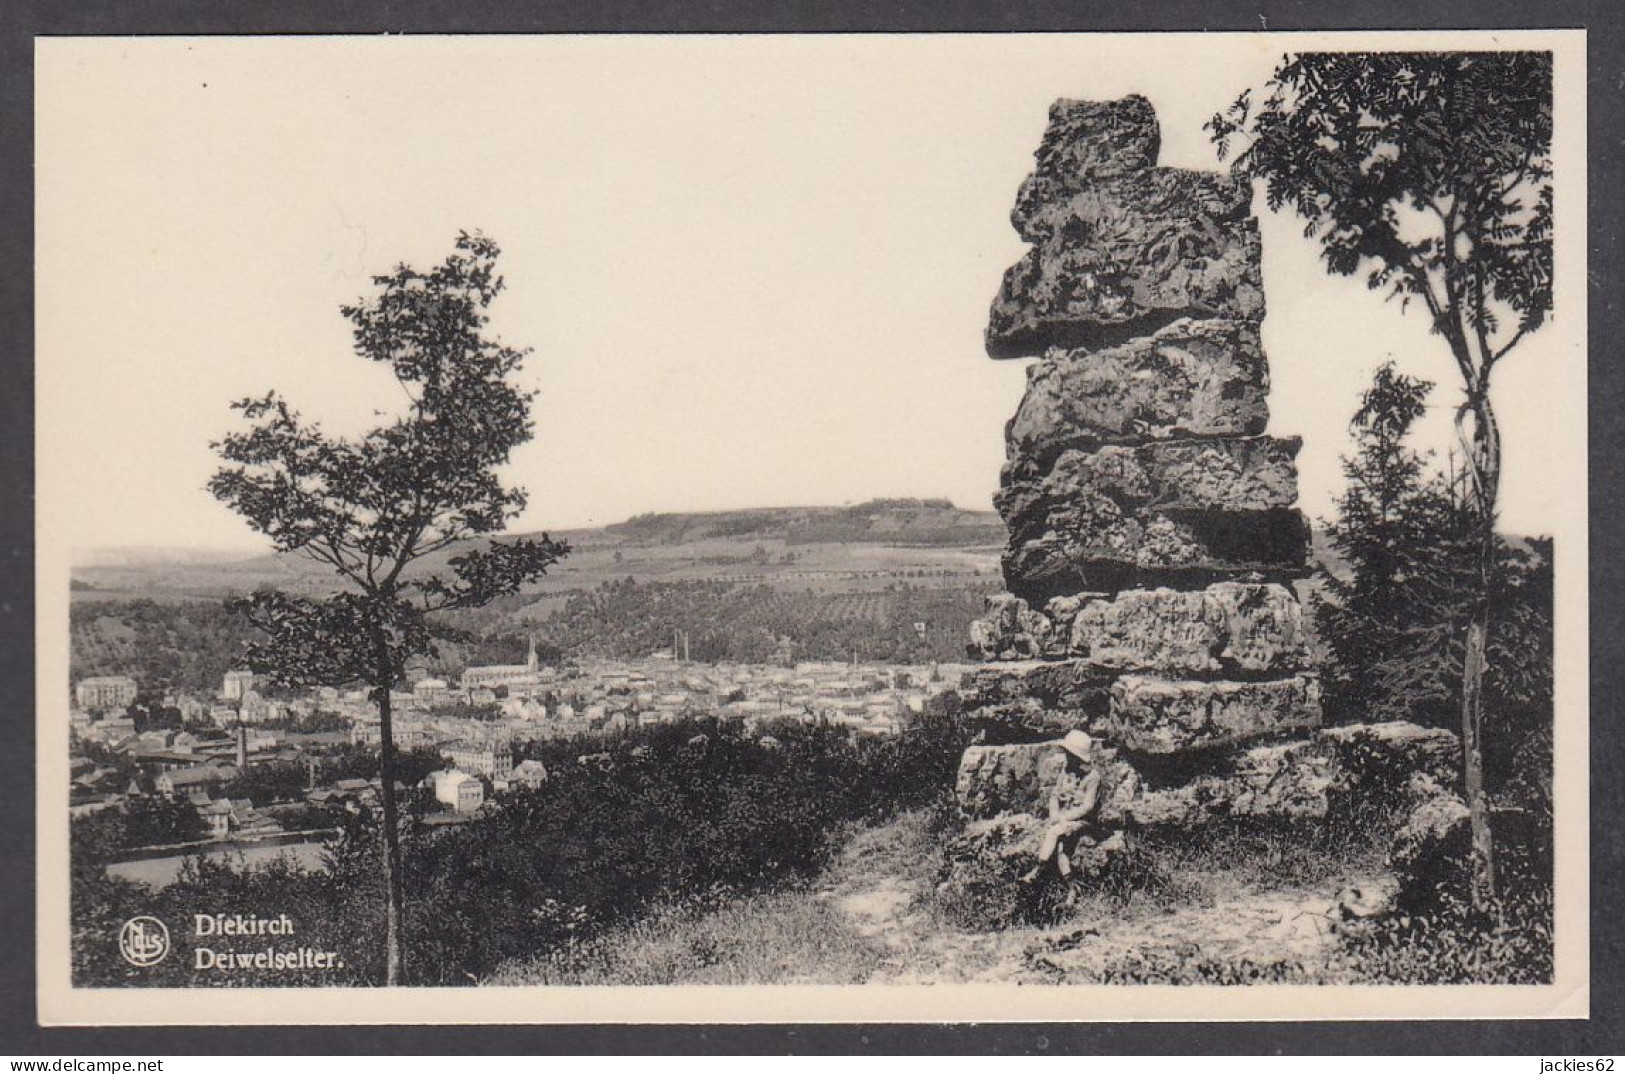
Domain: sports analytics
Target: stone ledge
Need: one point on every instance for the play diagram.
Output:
(1044, 694)
(1097, 546)
(1252, 473)
(1158, 716)
(1124, 257)
(1085, 142)
(1237, 628)
(1301, 778)
(1190, 378)
(1231, 626)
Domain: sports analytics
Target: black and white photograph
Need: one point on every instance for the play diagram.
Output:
(877, 527)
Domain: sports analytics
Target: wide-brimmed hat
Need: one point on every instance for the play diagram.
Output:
(1078, 744)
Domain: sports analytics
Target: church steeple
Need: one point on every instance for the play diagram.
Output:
(530, 655)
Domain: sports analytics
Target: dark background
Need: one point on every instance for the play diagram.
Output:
(21, 20)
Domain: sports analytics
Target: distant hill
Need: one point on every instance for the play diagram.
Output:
(856, 547)
(895, 521)
(886, 580)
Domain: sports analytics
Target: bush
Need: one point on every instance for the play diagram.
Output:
(1186, 965)
(1512, 944)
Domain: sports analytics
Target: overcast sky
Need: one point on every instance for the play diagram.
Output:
(754, 271)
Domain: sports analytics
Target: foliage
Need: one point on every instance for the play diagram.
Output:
(751, 623)
(463, 710)
(182, 647)
(309, 723)
(1509, 943)
(267, 781)
(1393, 621)
(1184, 964)
(372, 506)
(326, 913)
(624, 619)
(774, 938)
(1388, 621)
(361, 762)
(123, 766)
(150, 820)
(1431, 171)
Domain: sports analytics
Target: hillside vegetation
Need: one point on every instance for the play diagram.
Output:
(900, 521)
(867, 544)
(888, 580)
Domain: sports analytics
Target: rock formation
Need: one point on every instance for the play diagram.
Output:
(1150, 642)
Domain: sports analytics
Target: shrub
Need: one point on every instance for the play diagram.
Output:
(1512, 944)
(1186, 965)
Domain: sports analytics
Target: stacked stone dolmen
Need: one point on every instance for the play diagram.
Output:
(1153, 536)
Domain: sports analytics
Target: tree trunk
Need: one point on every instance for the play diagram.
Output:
(1472, 729)
(393, 973)
(1484, 454)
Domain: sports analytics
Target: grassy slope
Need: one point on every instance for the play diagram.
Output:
(1268, 904)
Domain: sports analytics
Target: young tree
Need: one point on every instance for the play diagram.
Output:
(1388, 616)
(1431, 173)
(372, 508)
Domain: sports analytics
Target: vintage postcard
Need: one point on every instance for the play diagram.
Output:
(811, 528)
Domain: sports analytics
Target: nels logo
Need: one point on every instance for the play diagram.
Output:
(143, 941)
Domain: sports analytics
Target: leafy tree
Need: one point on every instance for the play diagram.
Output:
(466, 710)
(373, 506)
(319, 722)
(268, 782)
(1431, 173)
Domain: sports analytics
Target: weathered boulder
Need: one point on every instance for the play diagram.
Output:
(1001, 779)
(1430, 855)
(1234, 626)
(1146, 631)
(1087, 141)
(1062, 612)
(1158, 716)
(1291, 779)
(1191, 378)
(1303, 778)
(1030, 778)
(1398, 750)
(1123, 257)
(1067, 694)
(1097, 544)
(1263, 627)
(1257, 473)
(1150, 630)
(1010, 629)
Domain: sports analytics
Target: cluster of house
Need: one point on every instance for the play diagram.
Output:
(478, 769)
(512, 703)
(530, 702)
